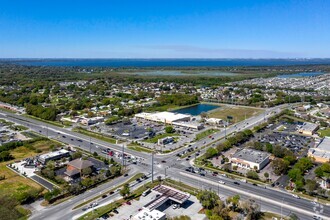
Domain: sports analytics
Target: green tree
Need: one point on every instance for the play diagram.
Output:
(208, 199)
(252, 175)
(169, 129)
(280, 166)
(87, 171)
(311, 186)
(125, 191)
(76, 155)
(210, 152)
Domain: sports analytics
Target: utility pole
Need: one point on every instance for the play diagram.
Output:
(123, 158)
(90, 144)
(152, 167)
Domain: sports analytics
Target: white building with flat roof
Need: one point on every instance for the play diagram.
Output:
(250, 159)
(321, 153)
(55, 155)
(164, 117)
(308, 128)
(145, 214)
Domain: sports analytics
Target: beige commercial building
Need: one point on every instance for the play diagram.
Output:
(321, 153)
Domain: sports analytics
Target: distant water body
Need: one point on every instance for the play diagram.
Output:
(166, 62)
(302, 74)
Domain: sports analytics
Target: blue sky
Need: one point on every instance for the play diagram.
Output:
(165, 29)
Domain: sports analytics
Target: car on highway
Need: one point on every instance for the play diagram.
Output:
(104, 196)
(221, 182)
(236, 183)
(163, 161)
(126, 174)
(112, 192)
(215, 173)
(295, 196)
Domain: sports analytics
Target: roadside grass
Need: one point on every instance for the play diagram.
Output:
(271, 216)
(133, 178)
(95, 135)
(293, 118)
(324, 133)
(139, 148)
(31, 134)
(205, 134)
(6, 123)
(155, 139)
(239, 113)
(18, 128)
(49, 122)
(8, 110)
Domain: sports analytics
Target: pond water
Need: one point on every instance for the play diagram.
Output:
(196, 109)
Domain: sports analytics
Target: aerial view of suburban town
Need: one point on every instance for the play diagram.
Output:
(172, 110)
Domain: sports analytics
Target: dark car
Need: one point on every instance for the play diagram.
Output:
(104, 196)
(138, 180)
(112, 192)
(237, 183)
(128, 203)
(115, 211)
(163, 161)
(215, 173)
(126, 174)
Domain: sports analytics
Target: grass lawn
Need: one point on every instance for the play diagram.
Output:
(155, 139)
(205, 134)
(324, 133)
(139, 148)
(16, 186)
(95, 135)
(239, 113)
(56, 123)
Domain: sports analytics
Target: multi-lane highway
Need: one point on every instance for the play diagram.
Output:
(269, 199)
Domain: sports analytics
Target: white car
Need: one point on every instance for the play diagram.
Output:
(295, 196)
(222, 182)
(175, 206)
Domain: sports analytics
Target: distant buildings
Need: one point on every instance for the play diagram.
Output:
(308, 128)
(321, 153)
(56, 155)
(250, 159)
